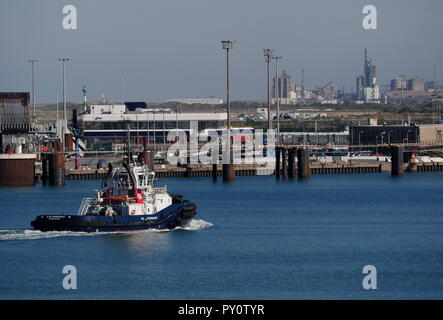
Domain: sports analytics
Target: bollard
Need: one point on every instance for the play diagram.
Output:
(397, 161)
(303, 164)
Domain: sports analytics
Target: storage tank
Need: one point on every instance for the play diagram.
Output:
(416, 84)
(398, 83)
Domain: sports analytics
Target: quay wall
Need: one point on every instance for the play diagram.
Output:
(316, 168)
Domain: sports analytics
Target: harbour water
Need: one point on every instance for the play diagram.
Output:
(256, 238)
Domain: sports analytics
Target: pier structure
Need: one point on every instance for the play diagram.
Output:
(285, 162)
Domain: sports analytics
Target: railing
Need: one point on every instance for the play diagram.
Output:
(86, 203)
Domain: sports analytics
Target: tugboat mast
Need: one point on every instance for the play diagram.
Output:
(127, 124)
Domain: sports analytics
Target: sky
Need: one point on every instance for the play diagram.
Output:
(153, 50)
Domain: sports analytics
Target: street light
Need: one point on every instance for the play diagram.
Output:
(268, 56)
(228, 45)
(33, 62)
(228, 169)
(277, 95)
(64, 60)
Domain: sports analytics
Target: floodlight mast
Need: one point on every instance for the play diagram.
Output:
(268, 57)
(228, 169)
(277, 95)
(33, 62)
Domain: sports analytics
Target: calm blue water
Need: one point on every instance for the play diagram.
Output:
(269, 240)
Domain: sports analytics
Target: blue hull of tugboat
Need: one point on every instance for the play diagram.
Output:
(176, 215)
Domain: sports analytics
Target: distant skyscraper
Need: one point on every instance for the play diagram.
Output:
(359, 88)
(284, 84)
(370, 91)
(369, 75)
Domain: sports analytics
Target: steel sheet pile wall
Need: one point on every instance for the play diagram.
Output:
(16, 172)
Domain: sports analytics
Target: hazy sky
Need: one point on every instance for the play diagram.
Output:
(171, 48)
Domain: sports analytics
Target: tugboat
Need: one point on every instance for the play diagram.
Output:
(128, 201)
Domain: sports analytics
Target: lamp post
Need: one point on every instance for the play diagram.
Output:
(62, 138)
(33, 62)
(277, 95)
(228, 168)
(228, 45)
(268, 56)
(57, 107)
(64, 60)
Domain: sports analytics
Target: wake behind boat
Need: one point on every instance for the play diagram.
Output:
(128, 201)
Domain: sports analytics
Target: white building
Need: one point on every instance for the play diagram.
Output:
(213, 101)
(106, 122)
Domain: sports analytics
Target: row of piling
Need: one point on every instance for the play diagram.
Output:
(285, 163)
(199, 172)
(286, 166)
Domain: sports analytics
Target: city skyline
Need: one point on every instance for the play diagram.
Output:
(181, 59)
